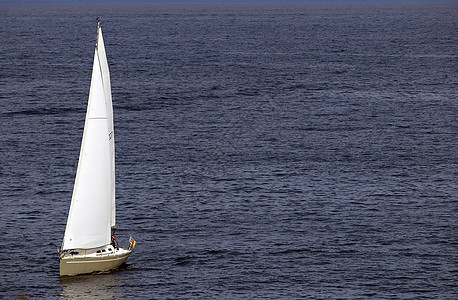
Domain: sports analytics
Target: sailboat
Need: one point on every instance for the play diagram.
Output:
(89, 243)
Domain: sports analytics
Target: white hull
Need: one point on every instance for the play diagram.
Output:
(87, 261)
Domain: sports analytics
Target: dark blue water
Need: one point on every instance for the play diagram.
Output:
(263, 151)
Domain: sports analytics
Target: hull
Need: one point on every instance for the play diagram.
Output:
(84, 263)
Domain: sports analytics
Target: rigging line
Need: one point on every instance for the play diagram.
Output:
(101, 73)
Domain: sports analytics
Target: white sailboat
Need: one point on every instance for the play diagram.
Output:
(89, 244)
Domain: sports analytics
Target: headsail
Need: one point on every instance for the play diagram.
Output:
(92, 210)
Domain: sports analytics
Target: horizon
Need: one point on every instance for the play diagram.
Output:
(226, 1)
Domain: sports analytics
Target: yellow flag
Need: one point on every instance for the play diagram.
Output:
(132, 242)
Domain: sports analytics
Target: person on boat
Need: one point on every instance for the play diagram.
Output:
(114, 242)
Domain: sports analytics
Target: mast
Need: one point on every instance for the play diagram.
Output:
(100, 47)
(109, 104)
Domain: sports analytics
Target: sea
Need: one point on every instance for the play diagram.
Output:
(303, 150)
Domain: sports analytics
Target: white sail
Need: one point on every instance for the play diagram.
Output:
(92, 208)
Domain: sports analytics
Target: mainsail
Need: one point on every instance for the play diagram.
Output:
(92, 210)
